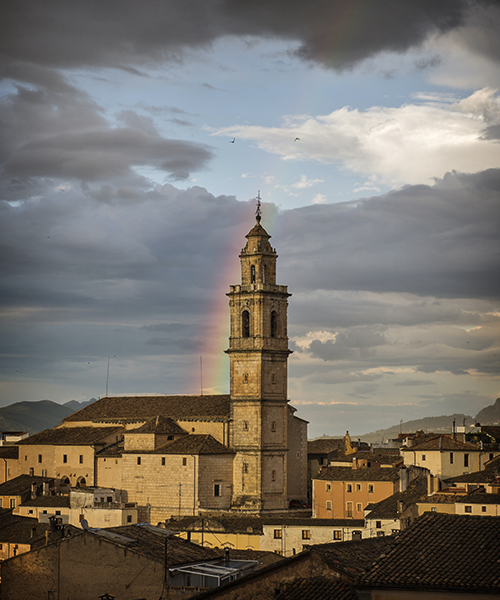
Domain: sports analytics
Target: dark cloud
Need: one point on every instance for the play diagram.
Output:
(338, 33)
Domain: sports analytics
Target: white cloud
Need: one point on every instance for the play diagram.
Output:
(319, 199)
(410, 144)
(304, 182)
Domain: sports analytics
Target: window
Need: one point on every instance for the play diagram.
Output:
(245, 378)
(378, 524)
(162, 461)
(26, 457)
(245, 468)
(32, 471)
(245, 425)
(30, 511)
(328, 505)
(306, 534)
(13, 503)
(44, 512)
(359, 507)
(184, 462)
(274, 324)
(423, 457)
(349, 488)
(273, 426)
(466, 460)
(252, 274)
(109, 499)
(245, 324)
(358, 487)
(328, 487)
(81, 459)
(129, 518)
(65, 458)
(337, 534)
(138, 460)
(451, 458)
(58, 512)
(433, 509)
(348, 510)
(217, 489)
(483, 508)
(273, 475)
(370, 488)
(277, 534)
(39, 458)
(468, 509)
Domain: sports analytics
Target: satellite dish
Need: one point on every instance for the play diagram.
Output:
(84, 523)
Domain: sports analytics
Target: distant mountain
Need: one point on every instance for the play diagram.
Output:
(443, 424)
(490, 415)
(36, 416)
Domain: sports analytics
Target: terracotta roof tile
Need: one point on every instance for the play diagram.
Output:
(159, 425)
(22, 484)
(390, 507)
(142, 408)
(194, 444)
(441, 442)
(74, 436)
(441, 552)
(361, 474)
(317, 588)
(323, 446)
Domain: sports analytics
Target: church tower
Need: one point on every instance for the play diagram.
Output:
(258, 353)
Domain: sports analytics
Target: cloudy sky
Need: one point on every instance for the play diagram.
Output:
(135, 137)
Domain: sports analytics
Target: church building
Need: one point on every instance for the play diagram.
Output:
(242, 453)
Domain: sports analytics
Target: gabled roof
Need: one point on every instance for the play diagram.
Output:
(441, 442)
(194, 444)
(441, 552)
(159, 425)
(323, 446)
(361, 474)
(22, 484)
(70, 436)
(389, 508)
(142, 408)
(492, 430)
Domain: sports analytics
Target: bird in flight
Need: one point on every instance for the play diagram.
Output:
(296, 139)
(232, 141)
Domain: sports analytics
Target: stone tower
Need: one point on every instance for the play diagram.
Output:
(258, 352)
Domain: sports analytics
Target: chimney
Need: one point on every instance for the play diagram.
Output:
(226, 555)
(45, 488)
(429, 484)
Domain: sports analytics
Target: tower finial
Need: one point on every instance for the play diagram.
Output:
(257, 212)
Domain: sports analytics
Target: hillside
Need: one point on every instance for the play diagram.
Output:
(36, 416)
(490, 415)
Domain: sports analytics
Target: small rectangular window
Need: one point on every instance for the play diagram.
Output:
(39, 458)
(378, 524)
(217, 489)
(162, 461)
(337, 534)
(328, 487)
(359, 507)
(451, 458)
(306, 534)
(109, 499)
(13, 503)
(466, 460)
(58, 512)
(483, 508)
(370, 488)
(349, 487)
(358, 487)
(328, 505)
(245, 425)
(277, 534)
(184, 462)
(81, 459)
(138, 460)
(468, 509)
(25, 457)
(65, 458)
(423, 457)
(129, 518)
(348, 510)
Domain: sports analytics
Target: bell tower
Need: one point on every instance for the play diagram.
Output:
(258, 353)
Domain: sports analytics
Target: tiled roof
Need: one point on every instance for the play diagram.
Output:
(21, 484)
(441, 552)
(441, 498)
(142, 408)
(491, 430)
(361, 474)
(194, 444)
(441, 442)
(71, 436)
(150, 542)
(48, 501)
(389, 508)
(323, 446)
(387, 458)
(159, 425)
(353, 558)
(317, 588)
(480, 498)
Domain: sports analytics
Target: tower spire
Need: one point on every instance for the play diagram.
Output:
(258, 211)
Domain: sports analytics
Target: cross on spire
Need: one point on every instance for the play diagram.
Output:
(258, 212)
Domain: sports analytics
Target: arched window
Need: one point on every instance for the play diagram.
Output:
(252, 274)
(81, 482)
(274, 324)
(245, 324)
